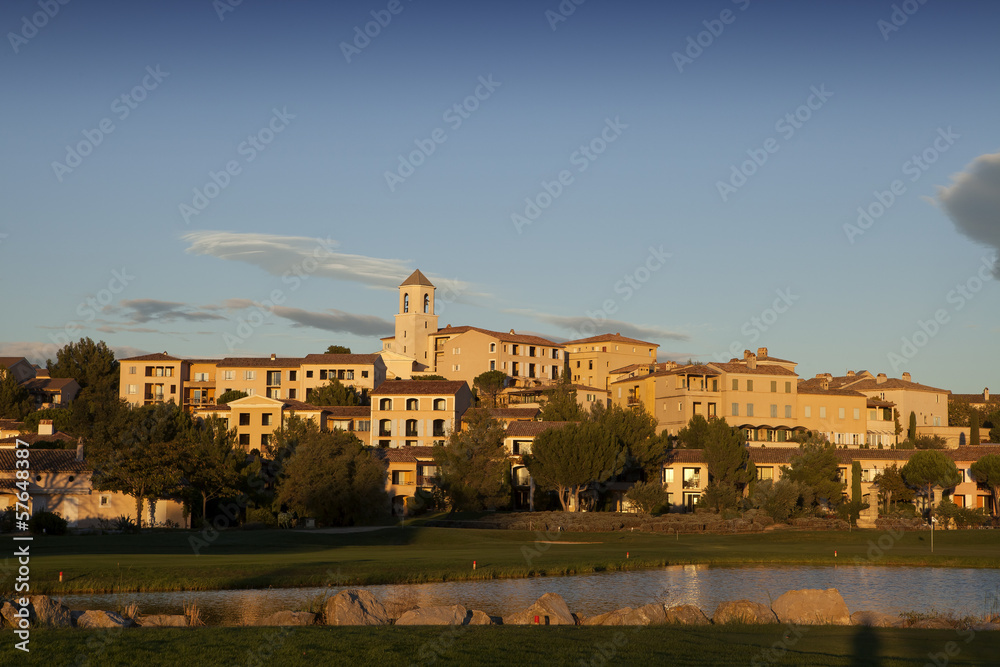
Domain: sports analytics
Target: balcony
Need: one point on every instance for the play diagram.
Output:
(692, 483)
(425, 480)
(385, 433)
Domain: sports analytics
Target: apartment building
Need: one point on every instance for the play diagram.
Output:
(594, 360)
(407, 470)
(462, 353)
(151, 378)
(929, 404)
(364, 372)
(839, 414)
(518, 439)
(417, 413)
(255, 418)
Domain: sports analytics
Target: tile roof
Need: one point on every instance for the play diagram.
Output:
(344, 411)
(583, 387)
(51, 460)
(777, 454)
(508, 337)
(532, 428)
(611, 338)
(507, 413)
(762, 369)
(404, 454)
(340, 358)
(974, 398)
(11, 424)
(893, 383)
(780, 361)
(417, 278)
(815, 386)
(262, 362)
(159, 356)
(32, 438)
(48, 384)
(419, 387)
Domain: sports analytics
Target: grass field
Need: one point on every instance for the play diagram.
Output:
(166, 561)
(387, 646)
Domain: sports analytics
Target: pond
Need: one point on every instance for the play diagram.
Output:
(960, 591)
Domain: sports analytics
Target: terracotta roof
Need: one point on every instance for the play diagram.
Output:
(781, 361)
(10, 361)
(263, 362)
(203, 361)
(610, 338)
(583, 387)
(778, 454)
(419, 387)
(815, 386)
(11, 425)
(893, 383)
(531, 429)
(417, 278)
(762, 369)
(502, 336)
(159, 356)
(693, 369)
(507, 413)
(344, 411)
(301, 406)
(32, 438)
(405, 454)
(51, 460)
(340, 359)
(974, 398)
(48, 384)
(879, 403)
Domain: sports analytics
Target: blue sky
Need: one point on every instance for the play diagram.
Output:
(253, 165)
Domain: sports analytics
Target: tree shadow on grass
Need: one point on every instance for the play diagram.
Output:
(865, 647)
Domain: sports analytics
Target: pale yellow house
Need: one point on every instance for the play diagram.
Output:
(416, 413)
(593, 360)
(407, 469)
(839, 414)
(151, 378)
(198, 383)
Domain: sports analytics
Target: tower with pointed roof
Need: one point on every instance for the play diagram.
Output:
(416, 320)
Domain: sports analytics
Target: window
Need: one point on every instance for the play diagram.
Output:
(555, 353)
(513, 349)
(493, 347)
(105, 500)
(857, 413)
(438, 428)
(364, 374)
(493, 364)
(788, 412)
(774, 386)
(788, 387)
(667, 476)
(411, 428)
(385, 404)
(458, 367)
(201, 377)
(439, 404)
(131, 371)
(363, 425)
(309, 374)
(322, 374)
(590, 365)
(736, 385)
(427, 306)
(736, 409)
(577, 364)
(822, 412)
(274, 378)
(401, 477)
(244, 419)
(715, 385)
(531, 370)
(765, 473)
(133, 389)
(513, 368)
(749, 409)
(229, 375)
(774, 410)
(293, 376)
(749, 385)
(385, 427)
(264, 438)
(265, 419)
(249, 375)
(531, 350)
(291, 393)
(841, 412)
(807, 411)
(692, 478)
(412, 404)
(406, 303)
(249, 391)
(245, 439)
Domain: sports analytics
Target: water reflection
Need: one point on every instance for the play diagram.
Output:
(889, 590)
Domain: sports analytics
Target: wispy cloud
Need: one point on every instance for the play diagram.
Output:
(972, 201)
(584, 327)
(38, 353)
(141, 311)
(337, 321)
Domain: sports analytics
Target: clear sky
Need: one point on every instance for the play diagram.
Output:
(693, 172)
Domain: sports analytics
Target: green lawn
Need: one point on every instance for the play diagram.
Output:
(664, 645)
(258, 559)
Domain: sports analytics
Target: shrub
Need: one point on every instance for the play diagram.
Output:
(261, 515)
(125, 524)
(47, 523)
(647, 496)
(777, 499)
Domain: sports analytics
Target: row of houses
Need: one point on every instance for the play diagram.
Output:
(46, 391)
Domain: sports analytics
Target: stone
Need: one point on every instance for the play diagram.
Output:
(9, 613)
(454, 615)
(477, 617)
(743, 611)
(550, 609)
(873, 619)
(985, 627)
(812, 606)
(686, 614)
(286, 618)
(103, 619)
(355, 607)
(164, 621)
(50, 613)
(934, 624)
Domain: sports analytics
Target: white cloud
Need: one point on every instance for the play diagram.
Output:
(972, 201)
(337, 321)
(584, 327)
(38, 353)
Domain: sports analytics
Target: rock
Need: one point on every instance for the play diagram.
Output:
(686, 614)
(985, 627)
(396, 608)
(164, 621)
(873, 619)
(355, 607)
(934, 624)
(102, 619)
(477, 617)
(50, 613)
(9, 613)
(551, 609)
(624, 616)
(812, 606)
(453, 615)
(743, 611)
(289, 618)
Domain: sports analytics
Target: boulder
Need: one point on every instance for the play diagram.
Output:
(396, 608)
(743, 611)
(873, 619)
(686, 614)
(477, 617)
(454, 615)
(934, 624)
(289, 618)
(624, 616)
(985, 627)
(550, 609)
(103, 619)
(9, 613)
(355, 607)
(50, 613)
(164, 621)
(812, 606)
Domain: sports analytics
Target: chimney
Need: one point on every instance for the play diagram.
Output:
(880, 378)
(273, 357)
(825, 383)
(761, 351)
(45, 427)
(850, 374)
(986, 395)
(79, 449)
(751, 359)
(906, 377)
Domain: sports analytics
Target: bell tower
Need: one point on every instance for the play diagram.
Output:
(416, 320)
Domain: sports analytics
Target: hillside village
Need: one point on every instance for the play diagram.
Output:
(420, 389)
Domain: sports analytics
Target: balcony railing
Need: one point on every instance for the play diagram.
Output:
(411, 433)
(692, 483)
(384, 433)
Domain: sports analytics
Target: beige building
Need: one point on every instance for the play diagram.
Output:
(417, 413)
(839, 414)
(256, 418)
(593, 361)
(407, 470)
(364, 372)
(151, 378)
(929, 404)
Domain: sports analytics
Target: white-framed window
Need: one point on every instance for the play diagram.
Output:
(668, 476)
(841, 413)
(105, 500)
(456, 367)
(822, 412)
(229, 375)
(736, 409)
(131, 370)
(249, 375)
(857, 413)
(133, 389)
(807, 411)
(493, 347)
